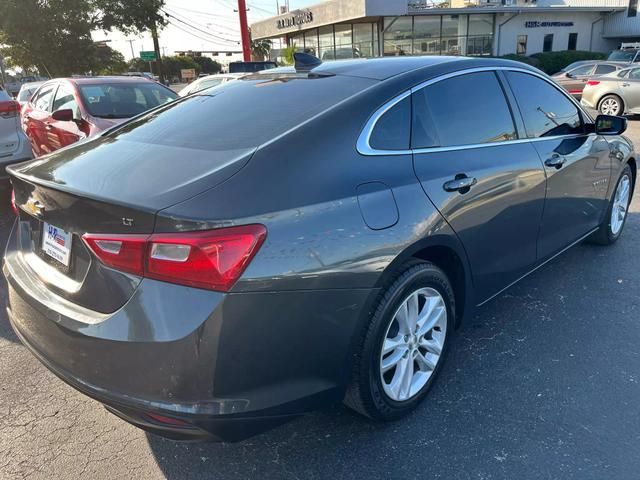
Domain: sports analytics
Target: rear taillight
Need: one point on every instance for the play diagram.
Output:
(593, 82)
(9, 107)
(14, 207)
(212, 259)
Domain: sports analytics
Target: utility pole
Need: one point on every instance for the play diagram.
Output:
(156, 47)
(244, 30)
(2, 77)
(133, 55)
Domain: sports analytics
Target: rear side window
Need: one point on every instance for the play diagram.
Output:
(392, 129)
(634, 74)
(602, 69)
(466, 110)
(545, 110)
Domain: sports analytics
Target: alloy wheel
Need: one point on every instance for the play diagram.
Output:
(610, 106)
(620, 204)
(413, 344)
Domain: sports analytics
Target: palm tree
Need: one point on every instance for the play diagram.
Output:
(260, 49)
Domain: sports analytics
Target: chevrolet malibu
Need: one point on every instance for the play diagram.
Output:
(241, 256)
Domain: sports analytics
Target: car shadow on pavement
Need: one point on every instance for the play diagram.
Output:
(530, 389)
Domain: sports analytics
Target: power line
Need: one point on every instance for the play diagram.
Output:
(231, 30)
(197, 29)
(181, 28)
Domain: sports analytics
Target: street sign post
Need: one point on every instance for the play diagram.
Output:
(148, 56)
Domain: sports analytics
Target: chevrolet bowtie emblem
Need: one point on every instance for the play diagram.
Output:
(34, 207)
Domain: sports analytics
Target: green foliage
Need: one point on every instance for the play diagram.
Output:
(260, 49)
(287, 54)
(522, 58)
(208, 65)
(51, 36)
(109, 61)
(173, 65)
(553, 62)
(129, 16)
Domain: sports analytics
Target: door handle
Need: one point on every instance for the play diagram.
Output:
(461, 184)
(625, 84)
(556, 161)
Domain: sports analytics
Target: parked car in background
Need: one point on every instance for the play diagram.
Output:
(575, 79)
(250, 67)
(628, 53)
(14, 145)
(64, 111)
(231, 261)
(26, 92)
(209, 81)
(13, 87)
(614, 94)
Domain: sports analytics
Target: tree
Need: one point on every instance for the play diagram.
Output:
(134, 17)
(52, 36)
(208, 65)
(260, 49)
(109, 61)
(176, 63)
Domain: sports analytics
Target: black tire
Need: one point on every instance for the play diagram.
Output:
(615, 98)
(604, 235)
(365, 393)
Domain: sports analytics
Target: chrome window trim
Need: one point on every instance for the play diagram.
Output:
(364, 148)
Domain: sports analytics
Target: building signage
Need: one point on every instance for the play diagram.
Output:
(296, 18)
(547, 24)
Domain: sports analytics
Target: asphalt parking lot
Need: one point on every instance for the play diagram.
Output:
(542, 383)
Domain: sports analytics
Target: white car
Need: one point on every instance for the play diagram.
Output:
(208, 82)
(14, 144)
(26, 92)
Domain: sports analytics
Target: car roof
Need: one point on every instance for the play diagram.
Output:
(100, 80)
(382, 68)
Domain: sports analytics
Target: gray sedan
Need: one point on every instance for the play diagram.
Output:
(614, 94)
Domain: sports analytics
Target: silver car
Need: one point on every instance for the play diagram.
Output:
(26, 92)
(209, 82)
(14, 145)
(614, 94)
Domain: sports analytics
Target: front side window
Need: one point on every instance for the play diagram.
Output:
(66, 100)
(582, 70)
(392, 130)
(547, 44)
(521, 47)
(468, 109)
(545, 110)
(42, 100)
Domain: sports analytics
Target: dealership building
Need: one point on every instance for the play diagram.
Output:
(371, 28)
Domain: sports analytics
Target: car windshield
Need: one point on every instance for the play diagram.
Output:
(622, 55)
(26, 93)
(124, 100)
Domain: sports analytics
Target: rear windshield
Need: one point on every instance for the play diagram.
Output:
(241, 114)
(124, 100)
(250, 67)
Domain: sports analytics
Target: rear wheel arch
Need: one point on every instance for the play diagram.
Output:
(634, 172)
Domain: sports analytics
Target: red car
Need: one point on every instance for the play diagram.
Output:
(64, 111)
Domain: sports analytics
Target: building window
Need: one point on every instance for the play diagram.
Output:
(398, 36)
(521, 46)
(479, 35)
(326, 43)
(363, 40)
(344, 41)
(633, 8)
(573, 41)
(426, 35)
(547, 45)
(311, 42)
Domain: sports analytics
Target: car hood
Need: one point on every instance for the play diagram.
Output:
(131, 173)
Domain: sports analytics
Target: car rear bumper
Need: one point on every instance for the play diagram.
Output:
(586, 102)
(216, 366)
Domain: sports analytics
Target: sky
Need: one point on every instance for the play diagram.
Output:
(199, 25)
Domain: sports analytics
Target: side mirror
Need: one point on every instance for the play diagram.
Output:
(570, 75)
(65, 115)
(610, 125)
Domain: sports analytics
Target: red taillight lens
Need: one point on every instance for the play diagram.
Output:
(14, 207)
(593, 82)
(212, 259)
(122, 252)
(9, 107)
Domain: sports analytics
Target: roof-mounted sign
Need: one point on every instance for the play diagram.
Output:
(299, 17)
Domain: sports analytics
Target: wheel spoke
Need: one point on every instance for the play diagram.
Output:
(407, 380)
(403, 319)
(431, 345)
(412, 309)
(425, 364)
(428, 322)
(392, 360)
(390, 344)
(398, 378)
